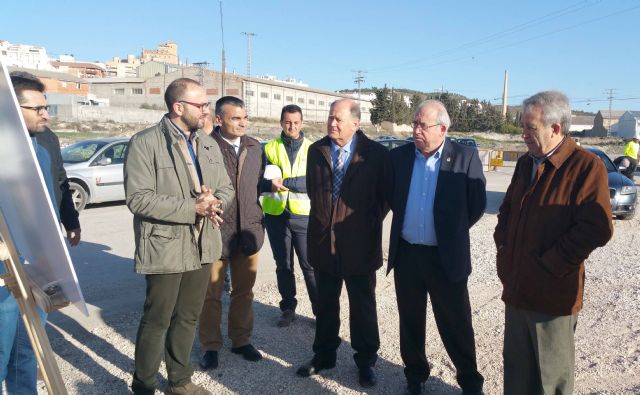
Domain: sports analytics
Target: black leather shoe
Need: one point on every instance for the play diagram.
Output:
(413, 388)
(313, 367)
(287, 317)
(248, 352)
(209, 360)
(367, 377)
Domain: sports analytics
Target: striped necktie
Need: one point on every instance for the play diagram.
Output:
(338, 173)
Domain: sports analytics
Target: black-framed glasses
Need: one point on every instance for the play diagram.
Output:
(423, 126)
(200, 106)
(38, 109)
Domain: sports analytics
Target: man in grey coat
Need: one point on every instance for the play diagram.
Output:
(176, 187)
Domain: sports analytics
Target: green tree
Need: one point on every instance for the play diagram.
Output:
(400, 112)
(389, 106)
(416, 99)
(381, 110)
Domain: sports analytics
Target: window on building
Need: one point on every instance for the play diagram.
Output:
(154, 91)
(137, 91)
(321, 103)
(311, 101)
(264, 95)
(290, 99)
(249, 93)
(301, 100)
(118, 91)
(78, 86)
(277, 96)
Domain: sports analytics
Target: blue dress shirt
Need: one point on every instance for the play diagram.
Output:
(418, 225)
(350, 147)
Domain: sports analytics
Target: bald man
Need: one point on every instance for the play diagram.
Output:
(345, 172)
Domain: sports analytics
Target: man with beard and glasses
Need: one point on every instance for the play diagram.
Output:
(176, 187)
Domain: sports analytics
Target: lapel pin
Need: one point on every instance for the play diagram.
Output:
(448, 159)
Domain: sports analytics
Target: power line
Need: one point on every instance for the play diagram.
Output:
(514, 29)
(472, 56)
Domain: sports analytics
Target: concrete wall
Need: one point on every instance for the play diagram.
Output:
(104, 114)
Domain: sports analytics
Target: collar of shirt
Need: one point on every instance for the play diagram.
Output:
(435, 156)
(235, 142)
(189, 138)
(349, 146)
(538, 160)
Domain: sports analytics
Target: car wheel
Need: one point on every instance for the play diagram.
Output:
(79, 195)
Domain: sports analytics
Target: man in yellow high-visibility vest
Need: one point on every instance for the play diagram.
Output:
(631, 151)
(286, 211)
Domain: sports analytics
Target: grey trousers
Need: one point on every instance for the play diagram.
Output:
(539, 353)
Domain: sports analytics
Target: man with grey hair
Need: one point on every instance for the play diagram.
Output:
(345, 183)
(436, 190)
(555, 213)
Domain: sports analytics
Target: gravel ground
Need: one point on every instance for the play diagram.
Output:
(607, 337)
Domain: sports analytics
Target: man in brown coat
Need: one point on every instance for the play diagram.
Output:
(345, 172)
(555, 213)
(242, 237)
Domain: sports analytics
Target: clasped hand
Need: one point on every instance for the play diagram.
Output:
(209, 206)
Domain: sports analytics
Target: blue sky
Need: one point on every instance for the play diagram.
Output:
(583, 47)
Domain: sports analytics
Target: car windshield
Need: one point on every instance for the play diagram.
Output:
(611, 168)
(81, 152)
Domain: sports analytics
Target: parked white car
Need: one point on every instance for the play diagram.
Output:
(94, 168)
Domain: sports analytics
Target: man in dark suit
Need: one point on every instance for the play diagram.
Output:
(436, 190)
(345, 183)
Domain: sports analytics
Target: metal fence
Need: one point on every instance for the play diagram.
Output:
(492, 158)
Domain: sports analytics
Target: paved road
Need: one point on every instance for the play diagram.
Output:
(104, 266)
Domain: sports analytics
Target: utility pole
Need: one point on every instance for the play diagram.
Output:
(610, 93)
(222, 91)
(359, 79)
(201, 66)
(504, 94)
(247, 98)
(393, 108)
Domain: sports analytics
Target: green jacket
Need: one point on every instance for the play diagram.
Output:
(159, 194)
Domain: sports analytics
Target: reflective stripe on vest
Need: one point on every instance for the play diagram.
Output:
(275, 202)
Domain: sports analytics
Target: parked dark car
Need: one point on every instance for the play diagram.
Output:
(392, 143)
(622, 191)
(466, 141)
